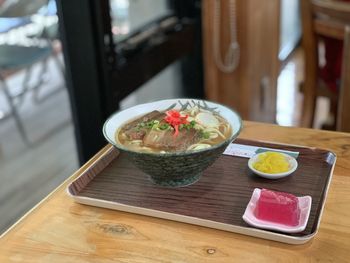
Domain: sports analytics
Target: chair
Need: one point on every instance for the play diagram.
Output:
(322, 18)
(15, 57)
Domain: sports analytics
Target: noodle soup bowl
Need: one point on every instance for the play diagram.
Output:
(172, 169)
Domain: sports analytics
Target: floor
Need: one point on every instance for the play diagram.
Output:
(29, 173)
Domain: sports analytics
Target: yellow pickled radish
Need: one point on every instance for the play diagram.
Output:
(272, 163)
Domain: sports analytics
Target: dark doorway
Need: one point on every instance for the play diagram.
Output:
(106, 61)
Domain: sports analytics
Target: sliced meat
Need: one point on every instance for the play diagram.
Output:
(153, 115)
(166, 140)
(133, 132)
(154, 138)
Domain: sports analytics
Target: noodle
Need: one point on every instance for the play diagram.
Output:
(215, 130)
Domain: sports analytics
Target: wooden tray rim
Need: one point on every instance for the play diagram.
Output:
(255, 232)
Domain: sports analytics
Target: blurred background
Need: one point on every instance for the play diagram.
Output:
(65, 66)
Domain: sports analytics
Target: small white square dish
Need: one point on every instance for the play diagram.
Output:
(250, 218)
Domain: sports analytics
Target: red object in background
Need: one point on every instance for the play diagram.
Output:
(331, 72)
(278, 207)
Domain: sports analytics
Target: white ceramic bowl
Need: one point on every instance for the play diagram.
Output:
(293, 164)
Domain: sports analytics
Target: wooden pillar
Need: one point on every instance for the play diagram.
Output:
(251, 88)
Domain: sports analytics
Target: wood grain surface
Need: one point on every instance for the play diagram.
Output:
(222, 193)
(59, 230)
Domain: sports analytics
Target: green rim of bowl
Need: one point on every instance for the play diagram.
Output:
(228, 141)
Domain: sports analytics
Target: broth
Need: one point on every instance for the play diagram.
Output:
(174, 131)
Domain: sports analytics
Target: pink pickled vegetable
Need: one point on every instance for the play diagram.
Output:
(278, 207)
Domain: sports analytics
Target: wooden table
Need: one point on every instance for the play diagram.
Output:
(59, 230)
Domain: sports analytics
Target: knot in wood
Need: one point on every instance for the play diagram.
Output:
(211, 251)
